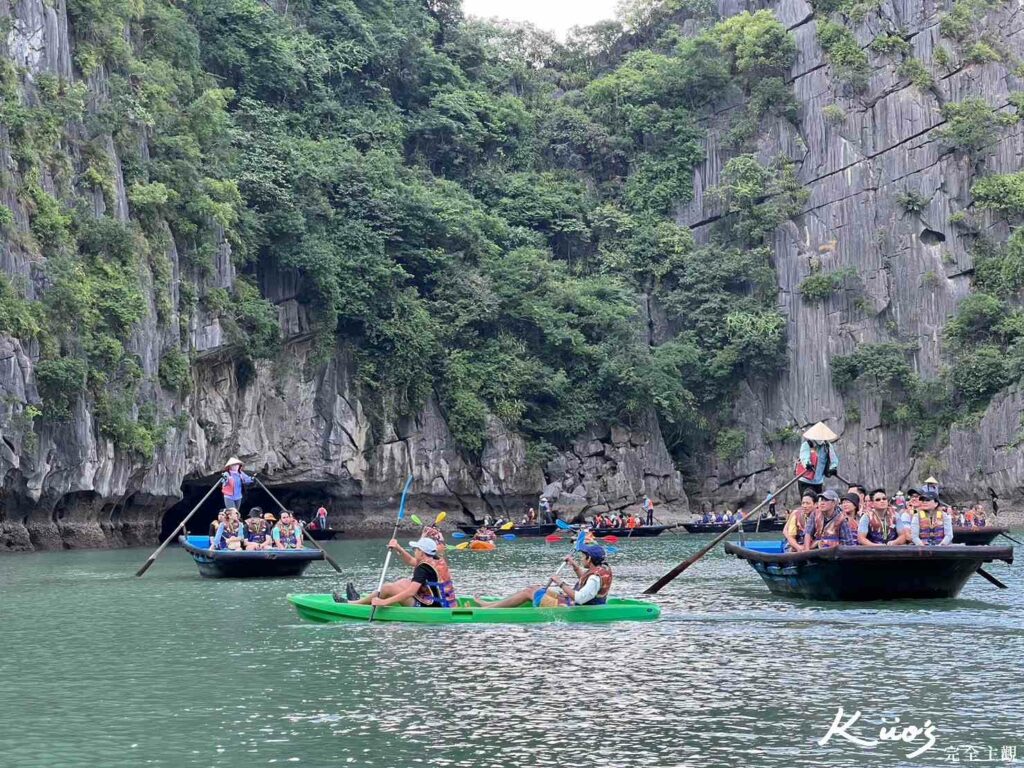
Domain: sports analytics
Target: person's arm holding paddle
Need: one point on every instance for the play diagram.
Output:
(407, 558)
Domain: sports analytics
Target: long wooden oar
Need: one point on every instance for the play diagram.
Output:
(152, 558)
(989, 577)
(315, 543)
(387, 557)
(660, 583)
(1008, 536)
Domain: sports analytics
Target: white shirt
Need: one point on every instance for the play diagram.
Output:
(589, 590)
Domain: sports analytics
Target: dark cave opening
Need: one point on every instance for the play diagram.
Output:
(301, 498)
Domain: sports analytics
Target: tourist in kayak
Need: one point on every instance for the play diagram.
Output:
(930, 526)
(257, 532)
(878, 525)
(828, 526)
(594, 581)
(229, 533)
(796, 524)
(231, 481)
(430, 586)
(287, 534)
(484, 533)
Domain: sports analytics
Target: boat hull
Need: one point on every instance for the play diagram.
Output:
(323, 609)
(867, 573)
(749, 526)
(319, 535)
(977, 536)
(228, 564)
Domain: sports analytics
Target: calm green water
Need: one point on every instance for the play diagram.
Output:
(102, 669)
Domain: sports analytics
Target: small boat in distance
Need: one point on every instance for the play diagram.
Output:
(528, 531)
(323, 609)
(325, 534)
(866, 573)
(977, 536)
(768, 525)
(247, 564)
(641, 531)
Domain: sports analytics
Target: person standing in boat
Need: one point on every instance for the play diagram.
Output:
(231, 481)
(818, 458)
(287, 534)
(828, 527)
(931, 485)
(648, 507)
(594, 582)
(796, 523)
(321, 519)
(877, 525)
(257, 532)
(930, 526)
(545, 510)
(430, 586)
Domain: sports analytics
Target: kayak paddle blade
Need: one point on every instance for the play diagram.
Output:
(462, 546)
(611, 550)
(415, 520)
(440, 518)
(507, 526)
(581, 540)
(459, 535)
(538, 596)
(405, 493)
(509, 537)
(563, 525)
(552, 539)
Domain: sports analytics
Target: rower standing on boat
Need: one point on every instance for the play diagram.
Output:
(648, 507)
(231, 480)
(818, 458)
(321, 519)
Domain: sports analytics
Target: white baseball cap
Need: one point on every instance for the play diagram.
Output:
(427, 545)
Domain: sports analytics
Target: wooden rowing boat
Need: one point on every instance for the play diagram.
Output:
(247, 564)
(867, 573)
(771, 525)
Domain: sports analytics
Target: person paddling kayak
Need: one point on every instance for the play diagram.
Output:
(430, 586)
(594, 582)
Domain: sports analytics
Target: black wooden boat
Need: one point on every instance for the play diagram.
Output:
(976, 536)
(769, 525)
(327, 534)
(247, 564)
(866, 573)
(640, 532)
(529, 531)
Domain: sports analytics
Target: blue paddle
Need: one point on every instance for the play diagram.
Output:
(508, 536)
(459, 535)
(580, 541)
(387, 558)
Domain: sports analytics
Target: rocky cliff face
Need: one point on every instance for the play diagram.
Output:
(857, 154)
(303, 427)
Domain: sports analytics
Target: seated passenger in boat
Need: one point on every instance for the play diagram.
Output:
(229, 533)
(850, 505)
(796, 523)
(593, 583)
(828, 526)
(738, 516)
(878, 524)
(980, 519)
(221, 517)
(429, 587)
(960, 519)
(930, 525)
(287, 534)
(257, 532)
(862, 496)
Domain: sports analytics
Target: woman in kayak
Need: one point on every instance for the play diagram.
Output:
(594, 581)
(484, 534)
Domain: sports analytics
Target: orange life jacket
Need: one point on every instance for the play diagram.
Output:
(605, 574)
(441, 591)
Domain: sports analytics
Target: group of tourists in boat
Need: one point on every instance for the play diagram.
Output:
(827, 519)
(258, 531)
(626, 520)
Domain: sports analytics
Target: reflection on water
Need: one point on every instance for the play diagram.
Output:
(101, 668)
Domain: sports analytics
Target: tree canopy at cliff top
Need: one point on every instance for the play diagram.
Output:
(480, 212)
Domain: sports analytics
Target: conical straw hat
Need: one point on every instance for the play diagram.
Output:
(932, 481)
(820, 433)
(232, 460)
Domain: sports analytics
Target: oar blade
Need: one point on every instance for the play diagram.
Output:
(509, 536)
(440, 518)
(415, 519)
(507, 526)
(145, 566)
(459, 535)
(563, 525)
(462, 546)
(611, 550)
(405, 494)
(552, 539)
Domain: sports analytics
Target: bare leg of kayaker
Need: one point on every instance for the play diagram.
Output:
(522, 597)
(391, 590)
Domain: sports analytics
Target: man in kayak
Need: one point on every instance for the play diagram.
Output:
(594, 582)
(430, 586)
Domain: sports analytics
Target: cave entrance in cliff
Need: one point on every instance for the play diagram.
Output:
(301, 498)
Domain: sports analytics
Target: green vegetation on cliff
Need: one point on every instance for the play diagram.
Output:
(481, 213)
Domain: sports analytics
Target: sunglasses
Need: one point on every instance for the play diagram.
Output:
(880, 498)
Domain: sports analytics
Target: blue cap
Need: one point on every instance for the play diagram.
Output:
(594, 552)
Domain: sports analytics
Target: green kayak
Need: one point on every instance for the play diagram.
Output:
(323, 609)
